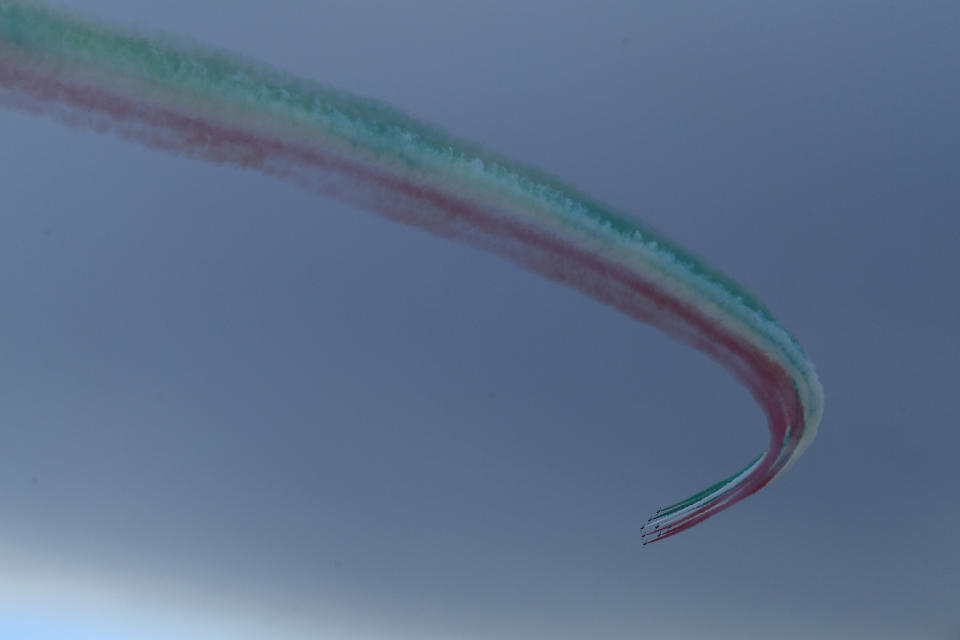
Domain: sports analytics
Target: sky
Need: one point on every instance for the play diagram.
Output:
(231, 404)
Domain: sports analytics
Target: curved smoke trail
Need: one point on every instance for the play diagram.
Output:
(222, 108)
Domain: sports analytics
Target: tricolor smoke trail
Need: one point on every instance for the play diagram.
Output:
(220, 107)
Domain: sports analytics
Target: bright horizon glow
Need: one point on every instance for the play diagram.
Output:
(45, 598)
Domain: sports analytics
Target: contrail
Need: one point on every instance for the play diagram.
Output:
(187, 99)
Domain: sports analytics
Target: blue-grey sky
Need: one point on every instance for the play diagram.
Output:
(219, 383)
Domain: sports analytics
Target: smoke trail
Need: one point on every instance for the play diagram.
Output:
(189, 100)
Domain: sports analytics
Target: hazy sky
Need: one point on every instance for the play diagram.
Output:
(215, 383)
